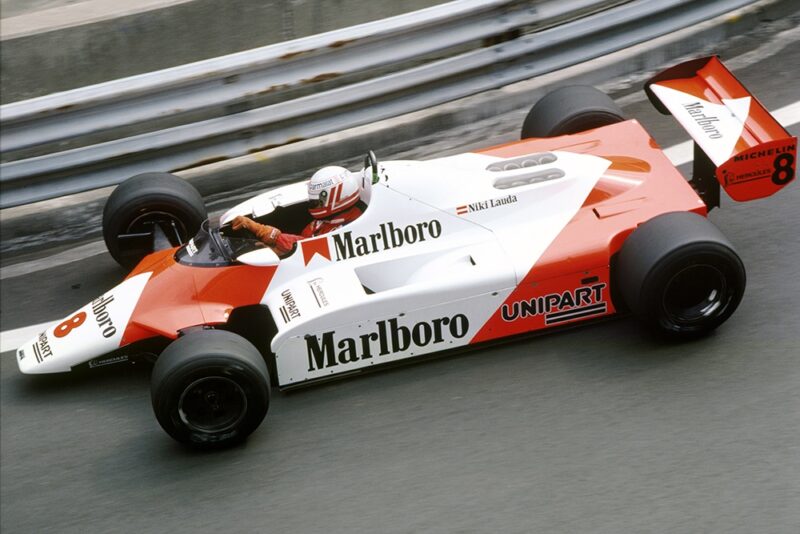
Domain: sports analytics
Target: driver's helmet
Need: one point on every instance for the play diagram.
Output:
(331, 190)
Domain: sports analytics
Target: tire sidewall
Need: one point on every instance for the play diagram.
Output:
(588, 120)
(569, 110)
(148, 193)
(186, 361)
(653, 295)
(122, 218)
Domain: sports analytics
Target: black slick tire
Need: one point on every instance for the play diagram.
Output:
(140, 203)
(210, 389)
(569, 110)
(679, 275)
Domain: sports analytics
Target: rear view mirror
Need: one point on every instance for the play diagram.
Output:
(263, 257)
(371, 162)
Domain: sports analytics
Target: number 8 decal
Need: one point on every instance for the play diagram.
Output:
(73, 322)
(783, 169)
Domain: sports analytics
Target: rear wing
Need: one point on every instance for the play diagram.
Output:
(737, 141)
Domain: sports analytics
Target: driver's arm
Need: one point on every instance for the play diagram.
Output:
(281, 242)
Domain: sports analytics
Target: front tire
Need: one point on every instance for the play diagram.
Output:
(680, 275)
(210, 389)
(144, 204)
(570, 110)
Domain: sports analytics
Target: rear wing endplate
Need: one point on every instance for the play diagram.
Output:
(737, 140)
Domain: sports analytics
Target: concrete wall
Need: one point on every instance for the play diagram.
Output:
(53, 50)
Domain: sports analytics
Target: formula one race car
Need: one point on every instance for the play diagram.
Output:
(584, 218)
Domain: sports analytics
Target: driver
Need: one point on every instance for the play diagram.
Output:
(333, 201)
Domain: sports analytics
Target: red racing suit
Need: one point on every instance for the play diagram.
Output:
(284, 243)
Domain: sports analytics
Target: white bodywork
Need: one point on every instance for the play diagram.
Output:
(439, 248)
(464, 236)
(68, 343)
(715, 127)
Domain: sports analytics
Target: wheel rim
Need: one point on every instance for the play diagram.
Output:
(212, 405)
(696, 294)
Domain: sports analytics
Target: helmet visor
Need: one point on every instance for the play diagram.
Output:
(320, 202)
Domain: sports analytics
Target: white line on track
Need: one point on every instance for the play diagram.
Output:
(12, 339)
(679, 154)
(77, 253)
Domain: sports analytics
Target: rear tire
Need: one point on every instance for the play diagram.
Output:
(679, 275)
(569, 110)
(210, 389)
(144, 201)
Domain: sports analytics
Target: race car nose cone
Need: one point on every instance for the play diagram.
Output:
(36, 356)
(93, 330)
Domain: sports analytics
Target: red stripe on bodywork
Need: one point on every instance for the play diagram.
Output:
(635, 188)
(179, 296)
(317, 245)
(763, 159)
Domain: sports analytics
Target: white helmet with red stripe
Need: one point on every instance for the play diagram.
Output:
(331, 190)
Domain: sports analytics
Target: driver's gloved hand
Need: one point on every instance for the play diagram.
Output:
(265, 233)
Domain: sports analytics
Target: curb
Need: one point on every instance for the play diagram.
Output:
(78, 217)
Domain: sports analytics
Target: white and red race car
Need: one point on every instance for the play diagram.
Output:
(584, 218)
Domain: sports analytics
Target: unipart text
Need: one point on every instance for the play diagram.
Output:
(578, 303)
(289, 310)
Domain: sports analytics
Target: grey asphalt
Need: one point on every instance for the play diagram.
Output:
(598, 429)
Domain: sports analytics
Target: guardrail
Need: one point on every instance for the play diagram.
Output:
(225, 107)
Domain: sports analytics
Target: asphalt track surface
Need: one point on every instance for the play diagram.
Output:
(597, 429)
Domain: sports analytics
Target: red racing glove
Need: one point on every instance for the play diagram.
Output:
(266, 234)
